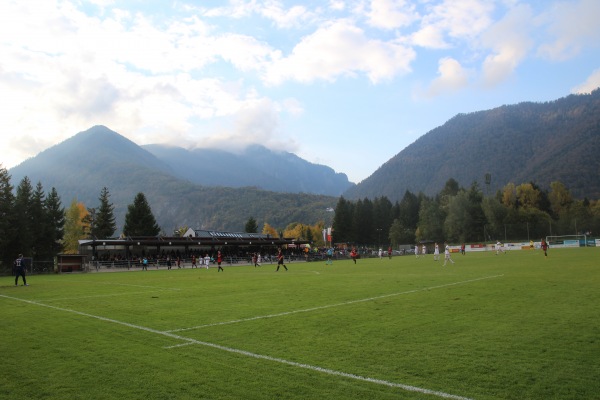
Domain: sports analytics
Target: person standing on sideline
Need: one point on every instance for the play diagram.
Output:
(544, 247)
(329, 256)
(280, 261)
(219, 261)
(436, 252)
(19, 266)
(447, 255)
(353, 254)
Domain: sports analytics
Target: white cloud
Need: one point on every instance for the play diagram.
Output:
(574, 25)
(285, 18)
(509, 40)
(451, 77)
(590, 84)
(391, 14)
(259, 123)
(341, 49)
(458, 19)
(273, 10)
(430, 36)
(337, 5)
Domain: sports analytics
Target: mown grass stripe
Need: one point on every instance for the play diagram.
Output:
(328, 371)
(236, 321)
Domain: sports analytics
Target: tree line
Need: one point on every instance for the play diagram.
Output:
(37, 225)
(465, 215)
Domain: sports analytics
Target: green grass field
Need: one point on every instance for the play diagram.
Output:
(514, 326)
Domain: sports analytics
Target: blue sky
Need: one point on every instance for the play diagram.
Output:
(348, 84)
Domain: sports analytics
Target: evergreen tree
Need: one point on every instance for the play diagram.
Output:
(363, 230)
(55, 214)
(7, 218)
(25, 223)
(408, 213)
(342, 221)
(104, 222)
(139, 220)
(251, 226)
(40, 224)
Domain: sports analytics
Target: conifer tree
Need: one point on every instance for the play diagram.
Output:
(251, 226)
(24, 225)
(55, 214)
(104, 223)
(7, 220)
(139, 220)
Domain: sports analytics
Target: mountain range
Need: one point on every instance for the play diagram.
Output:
(82, 165)
(255, 166)
(526, 142)
(214, 189)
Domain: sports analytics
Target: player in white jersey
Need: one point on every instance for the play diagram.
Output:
(447, 255)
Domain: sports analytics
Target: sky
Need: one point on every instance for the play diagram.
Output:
(347, 84)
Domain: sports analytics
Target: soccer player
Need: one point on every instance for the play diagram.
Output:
(206, 261)
(417, 251)
(424, 250)
(219, 261)
(19, 266)
(353, 254)
(447, 256)
(545, 247)
(280, 261)
(329, 256)
(499, 248)
(390, 252)
(436, 252)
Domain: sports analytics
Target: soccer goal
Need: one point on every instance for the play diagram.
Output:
(567, 241)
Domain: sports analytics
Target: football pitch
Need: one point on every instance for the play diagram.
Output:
(513, 326)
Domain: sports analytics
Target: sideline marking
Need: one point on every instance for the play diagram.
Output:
(250, 354)
(330, 305)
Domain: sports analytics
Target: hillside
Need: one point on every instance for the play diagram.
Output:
(81, 166)
(527, 142)
(256, 166)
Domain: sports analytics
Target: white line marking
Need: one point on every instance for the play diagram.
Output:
(253, 355)
(236, 321)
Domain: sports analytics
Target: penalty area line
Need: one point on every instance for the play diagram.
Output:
(283, 314)
(190, 341)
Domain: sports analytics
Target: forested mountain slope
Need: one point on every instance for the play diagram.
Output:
(81, 166)
(527, 142)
